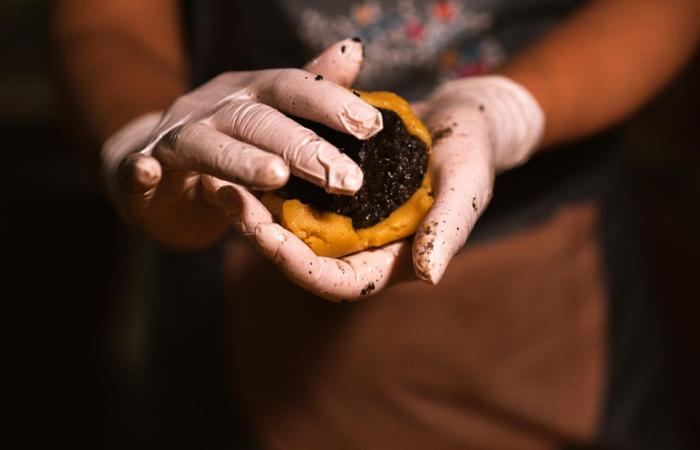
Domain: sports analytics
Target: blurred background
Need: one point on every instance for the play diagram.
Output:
(73, 368)
(59, 242)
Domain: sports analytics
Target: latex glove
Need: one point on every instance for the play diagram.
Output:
(159, 169)
(481, 126)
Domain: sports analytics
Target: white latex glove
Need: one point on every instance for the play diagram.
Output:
(159, 169)
(481, 126)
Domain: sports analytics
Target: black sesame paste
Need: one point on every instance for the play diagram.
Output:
(393, 163)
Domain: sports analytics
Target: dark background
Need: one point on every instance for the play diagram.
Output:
(74, 364)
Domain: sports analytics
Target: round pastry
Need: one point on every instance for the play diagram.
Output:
(395, 195)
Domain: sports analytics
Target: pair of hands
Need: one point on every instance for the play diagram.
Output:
(184, 177)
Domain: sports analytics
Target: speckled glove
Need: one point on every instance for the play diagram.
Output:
(480, 126)
(162, 171)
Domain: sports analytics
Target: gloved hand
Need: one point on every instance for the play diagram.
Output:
(480, 126)
(160, 169)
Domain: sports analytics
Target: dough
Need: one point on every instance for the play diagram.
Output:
(331, 234)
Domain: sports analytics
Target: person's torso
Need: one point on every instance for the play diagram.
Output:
(411, 45)
(416, 364)
(505, 353)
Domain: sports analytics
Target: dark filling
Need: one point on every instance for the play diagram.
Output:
(393, 163)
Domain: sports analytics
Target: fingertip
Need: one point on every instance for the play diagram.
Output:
(435, 276)
(352, 50)
(426, 274)
(140, 173)
(324, 165)
(339, 63)
(427, 261)
(361, 120)
(353, 179)
(148, 171)
(422, 272)
(348, 182)
(273, 175)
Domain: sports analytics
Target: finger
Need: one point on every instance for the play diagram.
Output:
(210, 188)
(243, 209)
(198, 147)
(339, 63)
(310, 96)
(348, 279)
(307, 155)
(139, 173)
(463, 179)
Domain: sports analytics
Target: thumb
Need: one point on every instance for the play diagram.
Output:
(339, 63)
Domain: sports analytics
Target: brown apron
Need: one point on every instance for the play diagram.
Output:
(507, 352)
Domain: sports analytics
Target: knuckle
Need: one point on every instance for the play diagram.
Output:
(225, 158)
(252, 121)
(283, 80)
(304, 146)
(173, 139)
